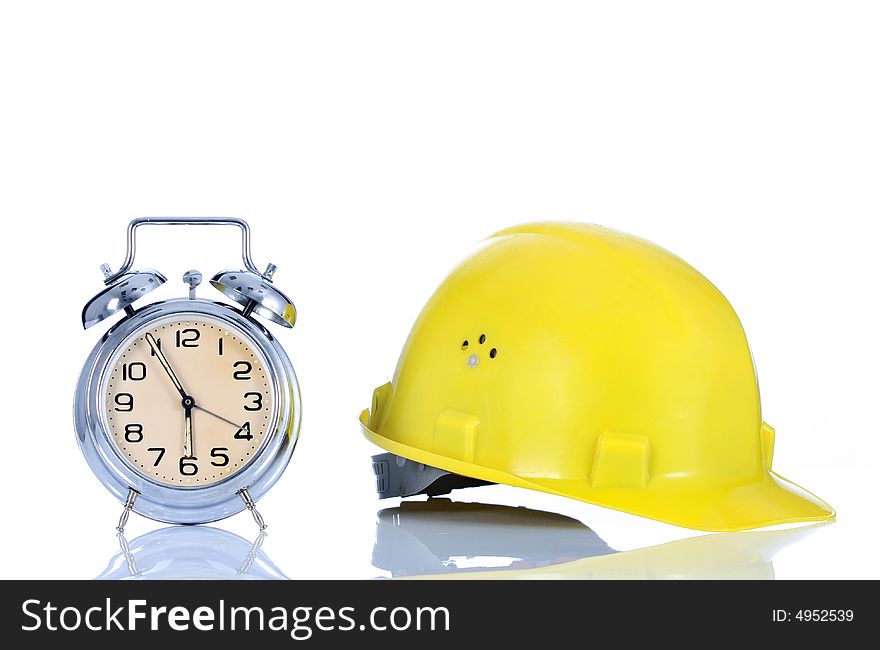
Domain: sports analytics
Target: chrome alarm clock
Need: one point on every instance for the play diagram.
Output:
(188, 410)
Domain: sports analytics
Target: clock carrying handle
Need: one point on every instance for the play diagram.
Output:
(131, 244)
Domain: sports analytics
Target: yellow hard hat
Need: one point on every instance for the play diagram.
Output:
(584, 362)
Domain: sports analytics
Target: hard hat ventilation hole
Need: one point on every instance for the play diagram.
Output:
(493, 353)
(482, 339)
(464, 346)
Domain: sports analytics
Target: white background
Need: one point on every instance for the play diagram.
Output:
(369, 145)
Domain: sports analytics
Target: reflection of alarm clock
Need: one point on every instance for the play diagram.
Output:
(188, 410)
(191, 553)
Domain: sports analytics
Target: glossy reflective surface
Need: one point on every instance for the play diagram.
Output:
(191, 553)
(440, 538)
(443, 539)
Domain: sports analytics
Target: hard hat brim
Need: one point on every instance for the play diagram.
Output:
(768, 501)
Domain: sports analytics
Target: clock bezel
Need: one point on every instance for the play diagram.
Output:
(187, 504)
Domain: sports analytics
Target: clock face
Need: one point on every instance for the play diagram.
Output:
(188, 400)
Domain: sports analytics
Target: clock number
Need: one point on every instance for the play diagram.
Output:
(188, 466)
(245, 373)
(217, 452)
(124, 402)
(258, 401)
(134, 371)
(158, 345)
(134, 433)
(244, 433)
(161, 451)
(188, 338)
(220, 346)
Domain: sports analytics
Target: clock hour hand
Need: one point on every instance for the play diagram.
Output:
(188, 431)
(165, 365)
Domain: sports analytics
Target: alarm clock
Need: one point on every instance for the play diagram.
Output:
(188, 409)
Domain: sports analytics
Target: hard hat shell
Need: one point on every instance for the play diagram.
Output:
(584, 362)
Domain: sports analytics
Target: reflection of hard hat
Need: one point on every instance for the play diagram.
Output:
(441, 536)
(476, 541)
(583, 362)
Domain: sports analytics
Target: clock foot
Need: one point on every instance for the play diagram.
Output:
(252, 506)
(129, 504)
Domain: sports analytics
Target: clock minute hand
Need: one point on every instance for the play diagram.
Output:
(162, 360)
(188, 402)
